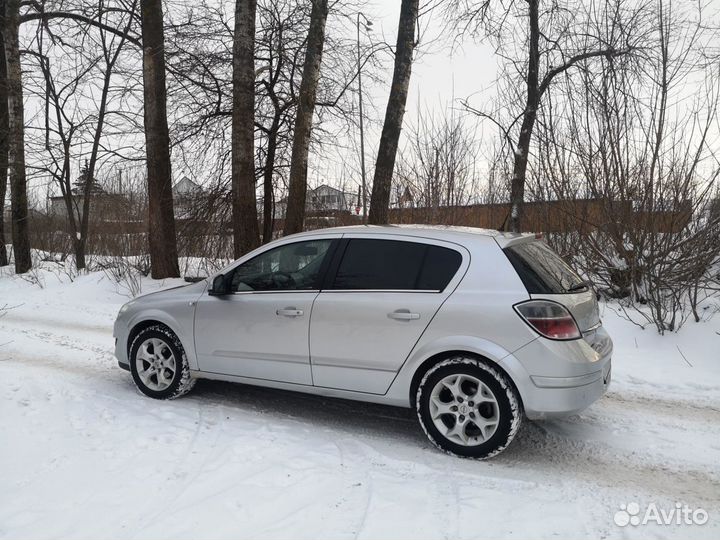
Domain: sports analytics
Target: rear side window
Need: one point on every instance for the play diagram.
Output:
(542, 271)
(395, 265)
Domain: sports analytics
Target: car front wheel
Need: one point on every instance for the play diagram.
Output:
(159, 365)
(468, 408)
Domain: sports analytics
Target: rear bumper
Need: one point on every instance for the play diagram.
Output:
(564, 378)
(575, 395)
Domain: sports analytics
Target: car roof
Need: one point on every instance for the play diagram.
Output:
(449, 233)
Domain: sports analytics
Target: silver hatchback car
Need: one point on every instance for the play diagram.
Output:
(474, 329)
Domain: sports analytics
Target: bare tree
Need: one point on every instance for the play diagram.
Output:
(279, 44)
(87, 63)
(16, 135)
(538, 44)
(16, 128)
(638, 143)
(389, 140)
(161, 222)
(295, 214)
(245, 223)
(438, 165)
(200, 86)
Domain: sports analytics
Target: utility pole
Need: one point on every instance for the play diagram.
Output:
(367, 23)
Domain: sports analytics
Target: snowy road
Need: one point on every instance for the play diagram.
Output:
(84, 455)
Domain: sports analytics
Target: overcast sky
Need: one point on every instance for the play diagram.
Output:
(443, 73)
(440, 66)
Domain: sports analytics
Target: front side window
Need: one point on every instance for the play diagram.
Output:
(370, 264)
(290, 267)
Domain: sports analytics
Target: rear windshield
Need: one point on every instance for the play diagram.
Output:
(542, 271)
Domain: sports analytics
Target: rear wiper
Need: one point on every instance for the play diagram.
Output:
(579, 286)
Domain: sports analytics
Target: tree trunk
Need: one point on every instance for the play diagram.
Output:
(295, 214)
(385, 164)
(268, 193)
(80, 253)
(3, 139)
(161, 234)
(513, 222)
(16, 135)
(246, 232)
(72, 210)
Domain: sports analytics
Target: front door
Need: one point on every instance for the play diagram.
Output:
(260, 330)
(385, 291)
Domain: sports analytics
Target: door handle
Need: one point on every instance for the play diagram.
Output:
(404, 315)
(289, 312)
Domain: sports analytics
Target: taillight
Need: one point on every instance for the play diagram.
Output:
(549, 319)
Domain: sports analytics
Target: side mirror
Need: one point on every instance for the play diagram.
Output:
(219, 286)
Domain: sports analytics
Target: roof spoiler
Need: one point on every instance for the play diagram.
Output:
(510, 239)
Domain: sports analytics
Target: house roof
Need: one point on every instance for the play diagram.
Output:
(185, 186)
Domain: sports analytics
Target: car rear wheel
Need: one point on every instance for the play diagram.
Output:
(468, 408)
(159, 365)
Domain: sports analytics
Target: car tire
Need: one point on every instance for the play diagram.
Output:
(468, 408)
(159, 365)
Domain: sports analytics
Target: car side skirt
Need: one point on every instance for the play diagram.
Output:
(306, 389)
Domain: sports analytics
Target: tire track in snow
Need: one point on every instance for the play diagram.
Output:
(16, 318)
(665, 406)
(538, 445)
(557, 446)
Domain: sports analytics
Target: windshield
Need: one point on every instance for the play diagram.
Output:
(542, 271)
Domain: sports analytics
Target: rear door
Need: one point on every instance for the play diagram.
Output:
(380, 295)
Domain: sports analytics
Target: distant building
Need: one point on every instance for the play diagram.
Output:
(405, 200)
(186, 197)
(103, 206)
(323, 198)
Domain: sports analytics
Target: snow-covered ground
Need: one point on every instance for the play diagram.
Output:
(84, 455)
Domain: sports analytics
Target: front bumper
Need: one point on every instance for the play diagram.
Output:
(120, 333)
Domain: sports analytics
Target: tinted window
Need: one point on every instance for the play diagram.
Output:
(439, 268)
(541, 270)
(395, 265)
(290, 267)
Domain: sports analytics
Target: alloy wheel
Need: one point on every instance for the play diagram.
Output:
(155, 363)
(464, 410)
